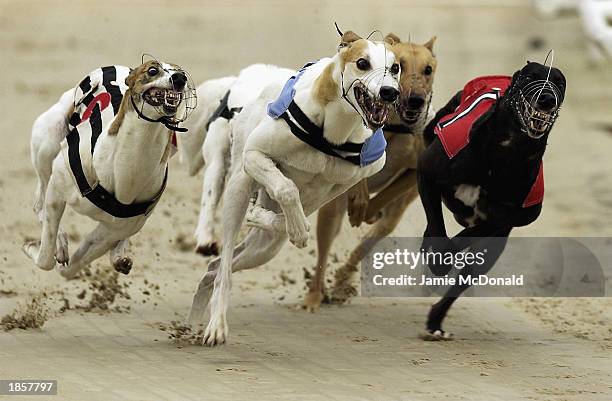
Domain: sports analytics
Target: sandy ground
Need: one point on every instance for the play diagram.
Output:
(548, 349)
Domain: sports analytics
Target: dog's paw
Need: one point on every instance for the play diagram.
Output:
(298, 232)
(216, 332)
(67, 272)
(435, 335)
(31, 248)
(299, 240)
(208, 249)
(312, 301)
(265, 219)
(62, 256)
(123, 264)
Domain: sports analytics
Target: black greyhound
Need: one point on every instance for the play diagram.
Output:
(484, 161)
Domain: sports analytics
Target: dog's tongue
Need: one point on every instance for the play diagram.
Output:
(379, 113)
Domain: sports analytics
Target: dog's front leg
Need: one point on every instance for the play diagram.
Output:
(329, 221)
(234, 209)
(343, 288)
(358, 199)
(44, 252)
(401, 186)
(283, 191)
(492, 247)
(431, 197)
(435, 236)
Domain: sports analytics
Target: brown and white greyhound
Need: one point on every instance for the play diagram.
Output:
(394, 186)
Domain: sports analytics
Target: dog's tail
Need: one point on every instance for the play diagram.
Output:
(451, 106)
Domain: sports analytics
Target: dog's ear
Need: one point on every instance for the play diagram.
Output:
(131, 78)
(347, 38)
(430, 44)
(392, 39)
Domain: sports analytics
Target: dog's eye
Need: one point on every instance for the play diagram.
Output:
(152, 71)
(428, 70)
(363, 64)
(394, 68)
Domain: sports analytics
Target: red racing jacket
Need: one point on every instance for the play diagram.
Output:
(477, 99)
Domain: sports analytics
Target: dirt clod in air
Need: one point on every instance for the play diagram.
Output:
(31, 315)
(286, 280)
(184, 244)
(343, 289)
(104, 289)
(180, 333)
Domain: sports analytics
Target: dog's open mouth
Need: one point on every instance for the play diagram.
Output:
(168, 99)
(375, 111)
(408, 115)
(537, 122)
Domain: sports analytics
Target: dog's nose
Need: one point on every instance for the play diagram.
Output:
(546, 102)
(416, 102)
(178, 79)
(388, 93)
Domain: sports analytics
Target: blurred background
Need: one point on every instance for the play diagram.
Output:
(47, 46)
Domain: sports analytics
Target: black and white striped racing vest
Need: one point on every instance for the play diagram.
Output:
(97, 99)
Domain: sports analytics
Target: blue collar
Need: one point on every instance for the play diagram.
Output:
(360, 154)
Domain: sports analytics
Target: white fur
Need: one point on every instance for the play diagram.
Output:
(212, 147)
(291, 178)
(468, 194)
(190, 143)
(129, 165)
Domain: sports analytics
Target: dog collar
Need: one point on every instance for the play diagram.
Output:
(401, 129)
(360, 154)
(172, 126)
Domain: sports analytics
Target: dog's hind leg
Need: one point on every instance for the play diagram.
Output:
(392, 214)
(493, 246)
(234, 210)
(329, 221)
(120, 256)
(43, 252)
(258, 247)
(94, 245)
(49, 129)
(216, 151)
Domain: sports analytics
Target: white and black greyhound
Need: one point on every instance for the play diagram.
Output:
(103, 148)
